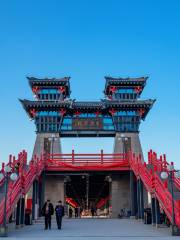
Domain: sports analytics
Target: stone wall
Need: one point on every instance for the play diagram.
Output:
(134, 142)
(120, 192)
(54, 188)
(41, 142)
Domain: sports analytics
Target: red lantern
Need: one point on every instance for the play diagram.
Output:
(33, 112)
(112, 111)
(112, 89)
(62, 89)
(77, 113)
(97, 113)
(138, 89)
(62, 111)
(35, 90)
(141, 111)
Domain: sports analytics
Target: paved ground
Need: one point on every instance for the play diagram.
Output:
(93, 229)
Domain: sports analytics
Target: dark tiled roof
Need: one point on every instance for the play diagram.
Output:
(103, 105)
(45, 82)
(129, 103)
(140, 81)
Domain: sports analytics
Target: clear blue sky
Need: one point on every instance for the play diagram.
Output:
(88, 40)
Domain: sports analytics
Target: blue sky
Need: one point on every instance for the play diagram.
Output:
(88, 40)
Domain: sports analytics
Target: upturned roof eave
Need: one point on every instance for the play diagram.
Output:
(124, 81)
(49, 82)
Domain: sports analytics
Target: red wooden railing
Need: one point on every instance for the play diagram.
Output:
(78, 162)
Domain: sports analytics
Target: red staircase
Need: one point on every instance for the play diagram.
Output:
(72, 202)
(150, 175)
(102, 202)
(27, 174)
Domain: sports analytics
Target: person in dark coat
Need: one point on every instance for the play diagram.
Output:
(47, 212)
(92, 211)
(59, 210)
(70, 212)
(76, 212)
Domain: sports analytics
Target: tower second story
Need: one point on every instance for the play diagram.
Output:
(124, 88)
(50, 89)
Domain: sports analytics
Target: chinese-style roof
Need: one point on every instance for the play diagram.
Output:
(124, 82)
(50, 82)
(44, 104)
(126, 103)
(146, 105)
(103, 106)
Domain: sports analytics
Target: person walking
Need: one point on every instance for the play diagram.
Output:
(47, 212)
(59, 210)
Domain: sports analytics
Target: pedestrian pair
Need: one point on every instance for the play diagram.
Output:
(48, 211)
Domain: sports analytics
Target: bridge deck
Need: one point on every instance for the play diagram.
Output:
(93, 229)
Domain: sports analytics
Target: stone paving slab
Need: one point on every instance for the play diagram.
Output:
(92, 229)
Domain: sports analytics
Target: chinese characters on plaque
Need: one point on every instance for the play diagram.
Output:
(87, 124)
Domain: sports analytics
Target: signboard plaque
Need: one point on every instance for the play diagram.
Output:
(87, 123)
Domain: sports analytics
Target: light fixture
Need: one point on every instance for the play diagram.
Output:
(1, 176)
(7, 169)
(177, 174)
(110, 180)
(164, 175)
(13, 176)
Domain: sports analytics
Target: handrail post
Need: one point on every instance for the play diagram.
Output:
(102, 155)
(164, 161)
(150, 157)
(72, 156)
(10, 159)
(3, 165)
(14, 160)
(25, 158)
(161, 163)
(149, 161)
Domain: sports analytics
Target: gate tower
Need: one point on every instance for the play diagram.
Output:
(118, 115)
